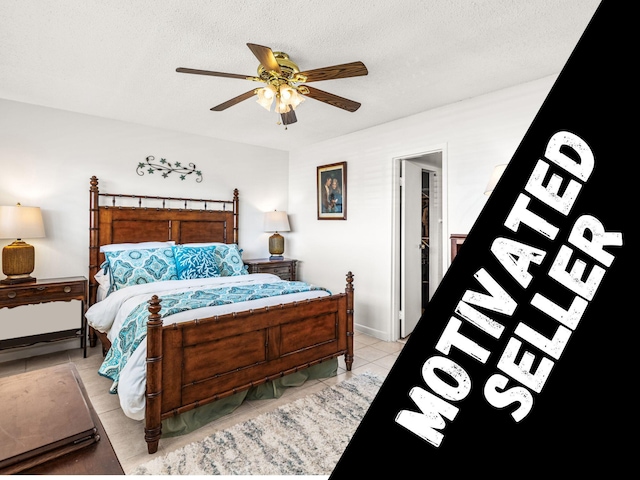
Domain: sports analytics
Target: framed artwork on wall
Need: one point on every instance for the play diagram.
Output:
(332, 191)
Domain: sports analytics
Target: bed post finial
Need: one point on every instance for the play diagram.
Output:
(348, 357)
(153, 421)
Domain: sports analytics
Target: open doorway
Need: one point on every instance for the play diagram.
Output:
(419, 213)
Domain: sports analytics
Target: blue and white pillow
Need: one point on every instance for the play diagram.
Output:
(195, 262)
(134, 267)
(229, 260)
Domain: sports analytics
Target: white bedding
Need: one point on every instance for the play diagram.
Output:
(108, 315)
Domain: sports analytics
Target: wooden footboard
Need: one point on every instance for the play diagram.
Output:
(194, 363)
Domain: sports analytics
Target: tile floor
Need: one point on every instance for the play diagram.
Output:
(127, 435)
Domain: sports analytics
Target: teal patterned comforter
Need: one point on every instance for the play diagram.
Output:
(134, 329)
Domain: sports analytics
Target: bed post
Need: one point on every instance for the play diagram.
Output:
(94, 229)
(153, 394)
(235, 216)
(348, 357)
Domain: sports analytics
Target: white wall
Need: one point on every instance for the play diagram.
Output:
(47, 157)
(477, 134)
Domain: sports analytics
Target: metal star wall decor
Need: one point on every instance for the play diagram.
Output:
(150, 166)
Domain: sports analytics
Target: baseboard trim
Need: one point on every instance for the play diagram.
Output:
(20, 353)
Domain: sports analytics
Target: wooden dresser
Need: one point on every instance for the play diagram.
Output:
(41, 291)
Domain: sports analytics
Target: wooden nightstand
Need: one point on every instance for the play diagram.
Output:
(45, 291)
(285, 269)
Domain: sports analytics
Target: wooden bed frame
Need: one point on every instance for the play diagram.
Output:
(197, 362)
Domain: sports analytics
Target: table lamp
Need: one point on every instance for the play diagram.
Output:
(276, 222)
(18, 258)
(497, 172)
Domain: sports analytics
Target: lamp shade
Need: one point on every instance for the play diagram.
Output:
(19, 222)
(276, 222)
(495, 176)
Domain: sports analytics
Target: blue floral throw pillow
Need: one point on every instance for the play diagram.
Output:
(195, 262)
(134, 267)
(229, 260)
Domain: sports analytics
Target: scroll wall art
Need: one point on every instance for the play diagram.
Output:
(165, 168)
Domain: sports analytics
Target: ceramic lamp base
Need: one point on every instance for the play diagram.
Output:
(18, 261)
(276, 244)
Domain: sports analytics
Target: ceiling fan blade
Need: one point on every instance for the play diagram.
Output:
(289, 117)
(265, 56)
(213, 74)
(234, 101)
(332, 99)
(346, 70)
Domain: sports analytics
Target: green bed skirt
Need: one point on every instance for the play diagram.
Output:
(193, 419)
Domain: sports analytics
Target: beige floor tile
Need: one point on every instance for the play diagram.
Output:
(386, 362)
(91, 362)
(388, 347)
(117, 424)
(373, 368)
(363, 341)
(131, 446)
(370, 353)
(357, 362)
(104, 402)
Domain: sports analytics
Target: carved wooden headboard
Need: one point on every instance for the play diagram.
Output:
(117, 218)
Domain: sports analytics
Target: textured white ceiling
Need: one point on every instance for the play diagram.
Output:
(117, 58)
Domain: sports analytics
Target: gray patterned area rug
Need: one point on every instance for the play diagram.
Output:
(304, 437)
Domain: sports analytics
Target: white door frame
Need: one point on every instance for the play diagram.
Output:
(394, 328)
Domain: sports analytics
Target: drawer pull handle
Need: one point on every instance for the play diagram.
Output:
(41, 288)
(67, 289)
(12, 295)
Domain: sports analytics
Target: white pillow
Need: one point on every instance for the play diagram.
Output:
(206, 244)
(101, 293)
(114, 247)
(103, 279)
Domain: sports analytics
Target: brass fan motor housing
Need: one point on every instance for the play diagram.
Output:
(289, 70)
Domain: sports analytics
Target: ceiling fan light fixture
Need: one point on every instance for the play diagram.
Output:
(266, 96)
(282, 107)
(295, 98)
(283, 79)
(287, 98)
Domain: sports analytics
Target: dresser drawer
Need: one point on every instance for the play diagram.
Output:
(285, 269)
(280, 270)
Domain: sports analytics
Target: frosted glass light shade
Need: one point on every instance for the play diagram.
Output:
(266, 96)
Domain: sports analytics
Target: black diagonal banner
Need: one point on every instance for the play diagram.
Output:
(524, 360)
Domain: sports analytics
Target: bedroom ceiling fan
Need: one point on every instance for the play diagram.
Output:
(284, 83)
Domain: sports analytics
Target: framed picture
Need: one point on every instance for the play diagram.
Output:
(332, 191)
